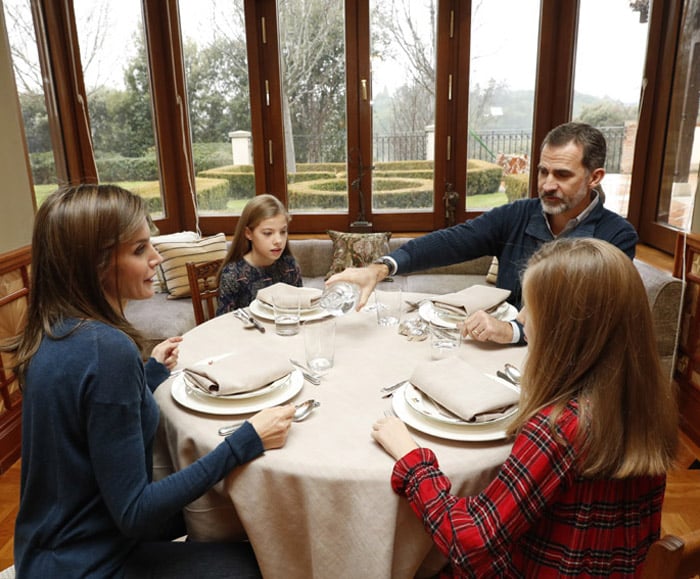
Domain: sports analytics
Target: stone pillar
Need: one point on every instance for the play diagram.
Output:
(241, 147)
(627, 159)
(430, 143)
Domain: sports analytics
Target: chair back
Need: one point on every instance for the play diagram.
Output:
(204, 288)
(673, 557)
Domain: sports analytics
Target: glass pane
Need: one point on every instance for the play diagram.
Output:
(30, 90)
(216, 72)
(312, 59)
(608, 85)
(503, 67)
(403, 50)
(679, 185)
(115, 70)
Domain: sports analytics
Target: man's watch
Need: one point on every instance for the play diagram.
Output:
(385, 261)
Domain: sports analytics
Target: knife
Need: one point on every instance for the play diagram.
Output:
(393, 386)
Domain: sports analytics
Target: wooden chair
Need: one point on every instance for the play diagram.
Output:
(203, 287)
(673, 557)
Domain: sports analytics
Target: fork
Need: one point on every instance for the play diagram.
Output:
(247, 324)
(312, 378)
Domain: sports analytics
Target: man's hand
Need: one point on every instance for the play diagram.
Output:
(484, 327)
(365, 277)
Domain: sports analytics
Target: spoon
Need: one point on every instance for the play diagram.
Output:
(301, 411)
(513, 373)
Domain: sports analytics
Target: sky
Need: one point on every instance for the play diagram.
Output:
(610, 56)
(610, 59)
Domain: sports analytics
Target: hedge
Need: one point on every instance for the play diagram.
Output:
(516, 186)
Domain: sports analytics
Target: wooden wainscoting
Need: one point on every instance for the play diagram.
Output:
(14, 294)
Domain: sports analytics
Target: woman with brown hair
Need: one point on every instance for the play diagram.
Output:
(88, 502)
(581, 493)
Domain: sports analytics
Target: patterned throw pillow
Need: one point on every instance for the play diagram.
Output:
(177, 253)
(158, 279)
(356, 249)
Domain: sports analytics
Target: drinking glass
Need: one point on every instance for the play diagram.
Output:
(444, 341)
(287, 315)
(388, 304)
(319, 344)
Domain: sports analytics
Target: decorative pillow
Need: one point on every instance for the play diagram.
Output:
(492, 274)
(177, 253)
(158, 279)
(356, 249)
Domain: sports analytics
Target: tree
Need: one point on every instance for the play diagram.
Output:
(313, 72)
(607, 113)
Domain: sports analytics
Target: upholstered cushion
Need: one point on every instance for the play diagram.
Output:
(492, 274)
(356, 249)
(177, 253)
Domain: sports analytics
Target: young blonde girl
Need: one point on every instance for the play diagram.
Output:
(581, 493)
(259, 255)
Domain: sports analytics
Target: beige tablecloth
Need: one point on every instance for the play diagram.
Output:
(322, 506)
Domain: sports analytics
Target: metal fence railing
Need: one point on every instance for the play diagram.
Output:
(483, 145)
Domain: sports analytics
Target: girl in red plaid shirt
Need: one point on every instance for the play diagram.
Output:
(581, 493)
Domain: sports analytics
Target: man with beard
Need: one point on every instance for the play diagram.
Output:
(570, 204)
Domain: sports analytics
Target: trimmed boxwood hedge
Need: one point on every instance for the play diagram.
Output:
(516, 186)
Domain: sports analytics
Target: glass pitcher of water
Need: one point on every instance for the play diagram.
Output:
(339, 298)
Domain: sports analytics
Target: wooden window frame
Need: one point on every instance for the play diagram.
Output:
(70, 131)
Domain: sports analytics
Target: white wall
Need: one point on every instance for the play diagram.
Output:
(16, 206)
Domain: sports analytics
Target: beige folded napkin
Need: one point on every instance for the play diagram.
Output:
(286, 294)
(463, 390)
(474, 298)
(243, 371)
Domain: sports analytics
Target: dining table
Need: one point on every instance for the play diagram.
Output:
(322, 505)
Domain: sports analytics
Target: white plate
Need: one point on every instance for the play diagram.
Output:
(460, 432)
(429, 313)
(260, 310)
(196, 400)
(423, 404)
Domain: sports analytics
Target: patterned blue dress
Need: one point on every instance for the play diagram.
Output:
(241, 281)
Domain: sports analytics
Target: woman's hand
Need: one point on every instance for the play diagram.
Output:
(167, 352)
(272, 425)
(393, 436)
(366, 277)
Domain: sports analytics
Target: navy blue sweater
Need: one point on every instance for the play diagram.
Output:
(512, 232)
(88, 423)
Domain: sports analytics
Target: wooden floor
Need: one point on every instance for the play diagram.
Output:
(681, 512)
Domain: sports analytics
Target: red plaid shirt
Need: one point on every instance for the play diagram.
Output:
(538, 518)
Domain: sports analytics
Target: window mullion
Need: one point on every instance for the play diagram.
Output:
(266, 97)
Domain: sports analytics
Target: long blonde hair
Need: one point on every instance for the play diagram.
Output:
(258, 209)
(77, 232)
(592, 339)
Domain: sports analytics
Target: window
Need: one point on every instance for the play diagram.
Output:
(502, 76)
(328, 115)
(30, 89)
(403, 55)
(115, 74)
(608, 87)
(218, 98)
